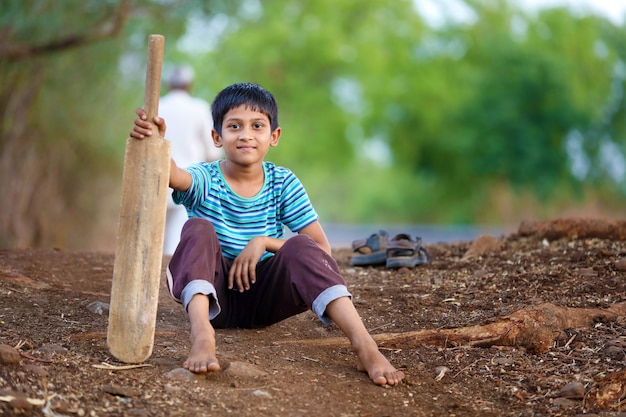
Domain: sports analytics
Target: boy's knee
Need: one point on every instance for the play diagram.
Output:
(194, 224)
(196, 232)
(302, 248)
(300, 242)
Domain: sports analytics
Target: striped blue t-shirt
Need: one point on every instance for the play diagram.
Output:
(282, 201)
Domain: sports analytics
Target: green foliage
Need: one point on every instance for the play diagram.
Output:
(385, 118)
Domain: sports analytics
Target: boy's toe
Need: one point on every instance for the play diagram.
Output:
(379, 380)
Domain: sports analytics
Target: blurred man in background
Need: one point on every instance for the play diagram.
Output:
(189, 124)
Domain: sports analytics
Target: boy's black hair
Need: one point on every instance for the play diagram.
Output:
(251, 95)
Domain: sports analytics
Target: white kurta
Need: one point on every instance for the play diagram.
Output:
(189, 125)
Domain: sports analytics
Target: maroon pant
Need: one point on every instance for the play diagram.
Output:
(298, 277)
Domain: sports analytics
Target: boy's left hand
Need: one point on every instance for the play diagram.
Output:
(243, 271)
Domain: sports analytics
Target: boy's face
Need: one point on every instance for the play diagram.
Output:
(246, 135)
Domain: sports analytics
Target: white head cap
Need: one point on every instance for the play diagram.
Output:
(181, 76)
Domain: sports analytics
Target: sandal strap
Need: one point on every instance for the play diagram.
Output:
(423, 250)
(402, 236)
(404, 241)
(403, 245)
(376, 242)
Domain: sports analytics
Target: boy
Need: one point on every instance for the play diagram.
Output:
(232, 267)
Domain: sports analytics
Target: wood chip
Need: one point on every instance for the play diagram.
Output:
(105, 365)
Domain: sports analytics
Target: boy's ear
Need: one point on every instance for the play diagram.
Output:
(217, 139)
(275, 136)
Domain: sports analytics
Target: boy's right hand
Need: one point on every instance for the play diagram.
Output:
(242, 273)
(143, 128)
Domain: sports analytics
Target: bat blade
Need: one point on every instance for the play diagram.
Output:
(141, 228)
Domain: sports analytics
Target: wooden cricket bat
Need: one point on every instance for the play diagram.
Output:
(141, 229)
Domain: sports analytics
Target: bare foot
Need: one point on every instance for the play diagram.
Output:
(202, 357)
(345, 316)
(378, 368)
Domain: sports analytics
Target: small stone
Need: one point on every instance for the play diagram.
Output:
(119, 391)
(571, 390)
(244, 370)
(261, 393)
(49, 351)
(98, 307)
(562, 402)
(35, 370)
(9, 355)
(502, 361)
(587, 272)
(614, 352)
(621, 265)
(182, 374)
(52, 348)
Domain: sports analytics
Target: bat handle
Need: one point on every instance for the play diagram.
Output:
(153, 75)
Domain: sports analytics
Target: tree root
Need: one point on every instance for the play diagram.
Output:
(534, 329)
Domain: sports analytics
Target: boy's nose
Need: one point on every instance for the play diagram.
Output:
(245, 133)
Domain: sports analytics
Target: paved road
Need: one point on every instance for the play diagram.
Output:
(342, 235)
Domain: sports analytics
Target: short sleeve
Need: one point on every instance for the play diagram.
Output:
(297, 211)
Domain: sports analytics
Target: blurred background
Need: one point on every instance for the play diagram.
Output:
(441, 115)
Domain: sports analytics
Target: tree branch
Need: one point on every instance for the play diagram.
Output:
(109, 27)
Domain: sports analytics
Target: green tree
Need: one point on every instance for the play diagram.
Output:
(62, 129)
(520, 91)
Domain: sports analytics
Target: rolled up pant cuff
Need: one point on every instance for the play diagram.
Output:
(199, 286)
(327, 296)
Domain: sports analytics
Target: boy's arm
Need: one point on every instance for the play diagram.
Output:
(315, 232)
(243, 270)
(180, 179)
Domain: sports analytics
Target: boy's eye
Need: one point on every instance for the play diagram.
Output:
(234, 126)
(258, 125)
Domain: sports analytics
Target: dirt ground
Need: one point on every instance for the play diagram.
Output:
(47, 311)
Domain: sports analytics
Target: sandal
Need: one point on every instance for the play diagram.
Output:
(402, 251)
(370, 251)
